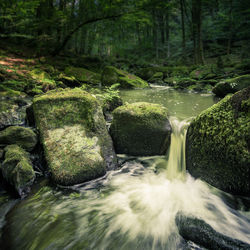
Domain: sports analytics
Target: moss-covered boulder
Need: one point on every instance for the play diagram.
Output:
(167, 71)
(231, 85)
(83, 75)
(217, 147)
(24, 137)
(203, 72)
(17, 169)
(73, 132)
(112, 75)
(141, 129)
(12, 111)
(156, 78)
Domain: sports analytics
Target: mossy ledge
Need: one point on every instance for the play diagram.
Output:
(74, 136)
(218, 147)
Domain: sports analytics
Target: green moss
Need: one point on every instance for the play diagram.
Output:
(17, 168)
(141, 129)
(112, 75)
(218, 145)
(21, 136)
(83, 75)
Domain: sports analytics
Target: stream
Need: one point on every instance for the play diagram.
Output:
(132, 207)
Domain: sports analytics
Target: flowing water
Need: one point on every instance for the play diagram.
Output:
(133, 207)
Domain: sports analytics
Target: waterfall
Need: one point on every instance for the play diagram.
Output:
(176, 164)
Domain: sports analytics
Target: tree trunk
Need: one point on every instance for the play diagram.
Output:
(183, 29)
(197, 34)
(229, 43)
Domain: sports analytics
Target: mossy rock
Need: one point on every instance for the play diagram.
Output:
(203, 72)
(141, 129)
(83, 75)
(112, 75)
(157, 77)
(217, 147)
(169, 71)
(17, 169)
(73, 132)
(11, 112)
(233, 85)
(24, 137)
(183, 83)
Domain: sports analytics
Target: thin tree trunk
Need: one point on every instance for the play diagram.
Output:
(229, 43)
(183, 28)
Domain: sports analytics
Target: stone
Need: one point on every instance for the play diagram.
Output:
(17, 169)
(141, 129)
(112, 75)
(11, 112)
(157, 77)
(217, 144)
(199, 232)
(233, 85)
(74, 136)
(83, 75)
(23, 137)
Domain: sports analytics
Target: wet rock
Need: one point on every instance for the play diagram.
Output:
(218, 142)
(73, 132)
(17, 169)
(141, 129)
(12, 111)
(82, 75)
(24, 137)
(201, 233)
(112, 75)
(233, 85)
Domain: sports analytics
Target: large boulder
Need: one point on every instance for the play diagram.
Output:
(83, 75)
(231, 85)
(73, 132)
(217, 146)
(12, 111)
(112, 75)
(17, 169)
(199, 232)
(24, 137)
(141, 129)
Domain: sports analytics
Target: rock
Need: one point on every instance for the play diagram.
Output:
(141, 129)
(199, 232)
(17, 169)
(183, 83)
(112, 75)
(83, 75)
(170, 71)
(203, 72)
(217, 146)
(11, 112)
(23, 137)
(73, 132)
(231, 85)
(156, 78)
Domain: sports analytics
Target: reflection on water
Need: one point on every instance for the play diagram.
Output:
(180, 104)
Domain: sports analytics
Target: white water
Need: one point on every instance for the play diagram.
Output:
(146, 205)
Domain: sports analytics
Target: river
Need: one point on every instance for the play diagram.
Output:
(133, 207)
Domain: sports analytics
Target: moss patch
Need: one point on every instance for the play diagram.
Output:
(17, 168)
(218, 144)
(112, 75)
